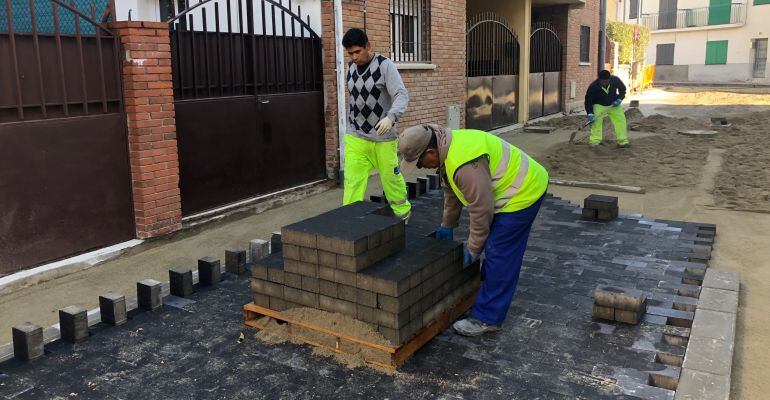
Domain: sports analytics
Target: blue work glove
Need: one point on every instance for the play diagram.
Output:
(590, 118)
(469, 257)
(444, 233)
(617, 102)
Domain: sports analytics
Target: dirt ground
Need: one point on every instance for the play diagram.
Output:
(686, 179)
(694, 179)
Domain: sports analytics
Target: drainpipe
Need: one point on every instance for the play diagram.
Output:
(340, 63)
(603, 35)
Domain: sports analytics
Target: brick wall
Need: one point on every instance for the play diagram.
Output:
(430, 91)
(567, 21)
(583, 75)
(149, 104)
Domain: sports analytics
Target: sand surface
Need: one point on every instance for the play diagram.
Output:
(352, 356)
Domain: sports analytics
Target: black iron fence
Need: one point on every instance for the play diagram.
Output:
(493, 48)
(56, 60)
(695, 17)
(243, 47)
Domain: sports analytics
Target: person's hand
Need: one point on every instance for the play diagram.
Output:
(617, 102)
(444, 233)
(590, 118)
(469, 257)
(384, 126)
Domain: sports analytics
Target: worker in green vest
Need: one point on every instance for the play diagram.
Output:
(502, 187)
(603, 98)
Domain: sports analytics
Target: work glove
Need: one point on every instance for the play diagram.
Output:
(590, 118)
(384, 126)
(444, 233)
(617, 102)
(469, 257)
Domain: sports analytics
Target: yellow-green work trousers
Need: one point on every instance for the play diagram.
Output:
(360, 157)
(618, 118)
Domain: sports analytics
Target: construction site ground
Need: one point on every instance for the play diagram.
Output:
(703, 182)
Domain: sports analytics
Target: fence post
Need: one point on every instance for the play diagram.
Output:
(149, 106)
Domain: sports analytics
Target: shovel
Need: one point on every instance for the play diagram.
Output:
(596, 118)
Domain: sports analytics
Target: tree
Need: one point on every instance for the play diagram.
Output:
(623, 34)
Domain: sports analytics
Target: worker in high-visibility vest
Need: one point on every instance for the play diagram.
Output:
(502, 187)
(603, 98)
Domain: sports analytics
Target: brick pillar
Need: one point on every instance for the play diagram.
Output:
(149, 104)
(330, 89)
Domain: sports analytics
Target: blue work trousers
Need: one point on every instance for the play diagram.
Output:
(504, 251)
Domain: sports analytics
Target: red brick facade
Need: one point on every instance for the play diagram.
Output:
(430, 91)
(149, 103)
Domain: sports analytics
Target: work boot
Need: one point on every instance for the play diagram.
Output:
(473, 327)
(624, 145)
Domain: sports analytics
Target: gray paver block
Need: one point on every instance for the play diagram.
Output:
(627, 317)
(620, 298)
(148, 294)
(27, 341)
(714, 325)
(308, 255)
(235, 261)
(258, 249)
(276, 275)
(327, 288)
(292, 280)
(261, 300)
(722, 279)
(346, 292)
(73, 322)
(310, 284)
(277, 304)
(697, 385)
(112, 308)
(709, 355)
(327, 259)
(290, 251)
(718, 300)
(602, 312)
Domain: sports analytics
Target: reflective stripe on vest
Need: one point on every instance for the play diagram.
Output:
(518, 182)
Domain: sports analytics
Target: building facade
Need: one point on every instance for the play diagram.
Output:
(706, 41)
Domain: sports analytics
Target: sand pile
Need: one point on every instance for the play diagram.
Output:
(671, 160)
(719, 98)
(354, 355)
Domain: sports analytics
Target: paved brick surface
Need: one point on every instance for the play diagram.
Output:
(549, 348)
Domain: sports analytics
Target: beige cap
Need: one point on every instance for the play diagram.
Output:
(411, 144)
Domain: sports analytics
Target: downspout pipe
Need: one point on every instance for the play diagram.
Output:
(340, 69)
(602, 34)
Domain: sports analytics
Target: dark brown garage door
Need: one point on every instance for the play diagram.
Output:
(64, 172)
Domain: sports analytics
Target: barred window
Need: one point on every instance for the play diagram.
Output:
(585, 44)
(410, 30)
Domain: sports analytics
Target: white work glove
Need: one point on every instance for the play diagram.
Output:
(384, 126)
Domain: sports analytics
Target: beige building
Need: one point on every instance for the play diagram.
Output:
(706, 40)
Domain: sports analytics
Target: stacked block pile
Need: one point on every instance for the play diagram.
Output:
(600, 208)
(355, 261)
(614, 303)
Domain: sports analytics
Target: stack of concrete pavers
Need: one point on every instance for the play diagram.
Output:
(355, 262)
(600, 208)
(614, 303)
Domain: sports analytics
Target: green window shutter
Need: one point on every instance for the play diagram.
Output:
(716, 52)
(719, 12)
(760, 2)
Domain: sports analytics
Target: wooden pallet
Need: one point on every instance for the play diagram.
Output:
(396, 354)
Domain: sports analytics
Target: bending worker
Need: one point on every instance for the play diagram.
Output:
(603, 98)
(502, 187)
(378, 98)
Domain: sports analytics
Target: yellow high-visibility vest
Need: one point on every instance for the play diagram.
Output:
(518, 181)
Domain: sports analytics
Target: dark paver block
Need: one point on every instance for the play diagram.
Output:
(602, 312)
(235, 261)
(327, 259)
(258, 249)
(398, 304)
(308, 255)
(310, 284)
(589, 213)
(433, 181)
(268, 288)
(73, 322)
(347, 292)
(307, 299)
(291, 252)
(210, 271)
(148, 293)
(277, 303)
(327, 288)
(261, 300)
(366, 297)
(292, 280)
(27, 341)
(180, 282)
(620, 298)
(276, 244)
(423, 184)
(366, 314)
(337, 305)
(628, 317)
(112, 308)
(391, 320)
(600, 202)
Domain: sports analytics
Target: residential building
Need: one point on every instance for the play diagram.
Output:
(706, 40)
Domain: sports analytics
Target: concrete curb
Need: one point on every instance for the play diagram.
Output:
(707, 367)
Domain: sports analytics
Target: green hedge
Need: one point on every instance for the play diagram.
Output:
(624, 35)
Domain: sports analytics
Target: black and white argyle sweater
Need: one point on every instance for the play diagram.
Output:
(376, 91)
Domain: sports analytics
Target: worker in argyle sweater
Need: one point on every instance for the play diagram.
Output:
(378, 99)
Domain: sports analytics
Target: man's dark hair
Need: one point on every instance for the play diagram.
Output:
(355, 37)
(604, 74)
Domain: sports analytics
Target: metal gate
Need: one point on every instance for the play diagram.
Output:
(493, 72)
(544, 71)
(64, 170)
(248, 98)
